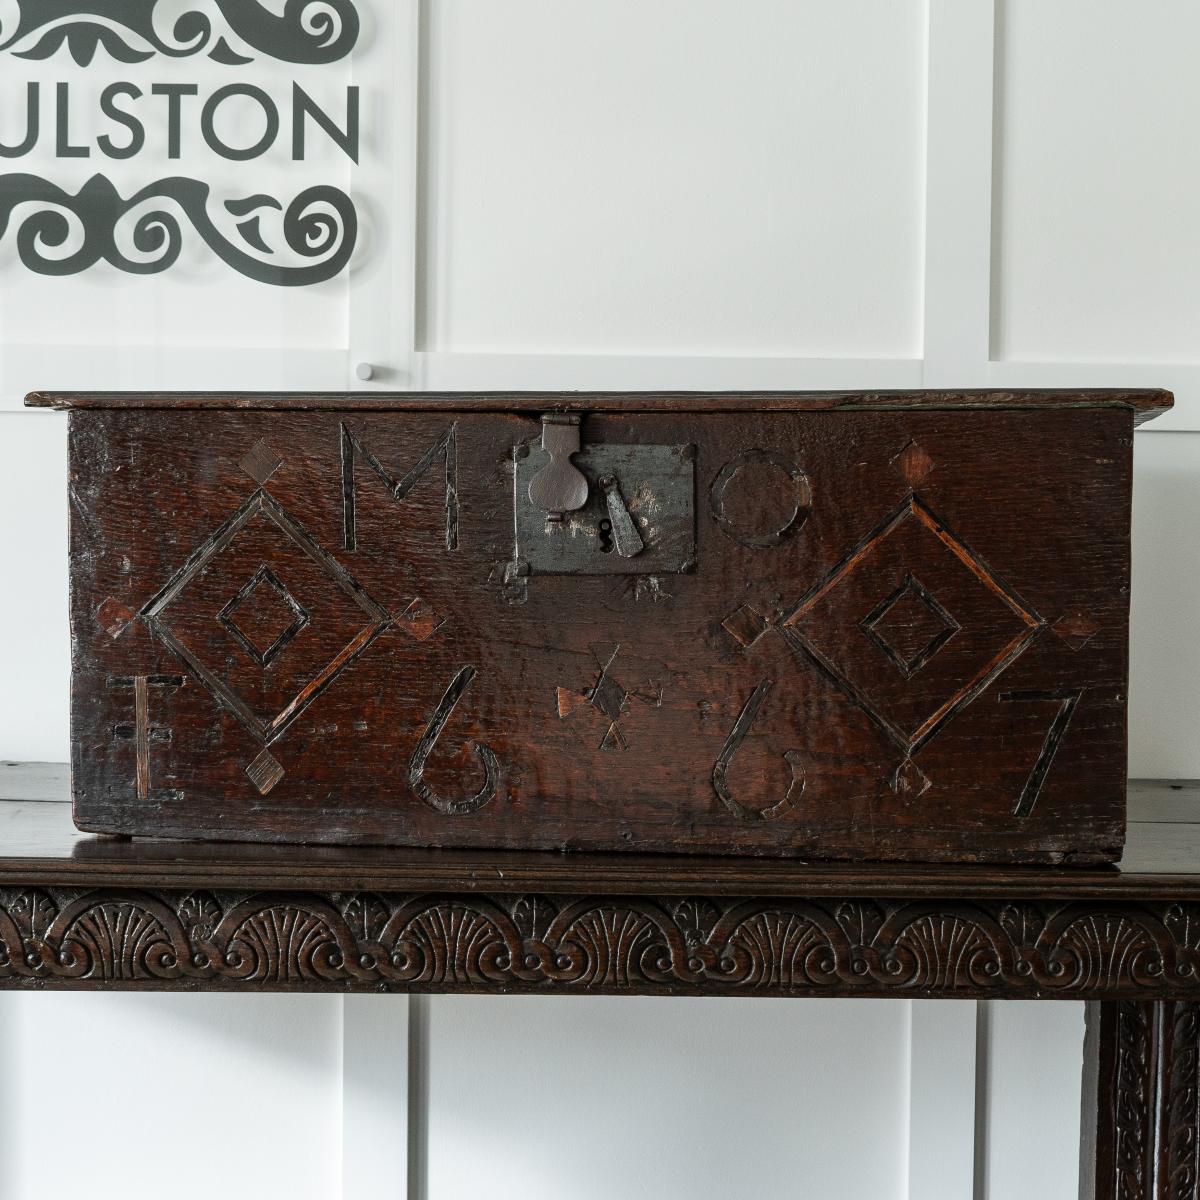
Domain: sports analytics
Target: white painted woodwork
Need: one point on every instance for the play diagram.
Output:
(137, 1097)
(940, 1138)
(374, 1097)
(1030, 1088)
(640, 1097)
(594, 184)
(1097, 165)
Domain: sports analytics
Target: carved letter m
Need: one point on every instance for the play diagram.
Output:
(444, 448)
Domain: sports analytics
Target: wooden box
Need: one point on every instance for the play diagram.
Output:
(887, 625)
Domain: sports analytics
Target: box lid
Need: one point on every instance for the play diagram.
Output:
(1145, 403)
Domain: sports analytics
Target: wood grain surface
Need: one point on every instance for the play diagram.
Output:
(903, 635)
(85, 911)
(1144, 403)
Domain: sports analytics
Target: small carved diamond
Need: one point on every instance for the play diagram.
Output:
(113, 617)
(746, 625)
(909, 781)
(269, 616)
(913, 464)
(264, 772)
(909, 626)
(420, 621)
(261, 463)
(1076, 629)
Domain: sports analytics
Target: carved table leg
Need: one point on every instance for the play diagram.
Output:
(1141, 1073)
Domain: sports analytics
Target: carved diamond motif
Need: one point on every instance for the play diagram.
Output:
(1076, 629)
(913, 464)
(909, 781)
(420, 621)
(338, 618)
(269, 614)
(909, 575)
(264, 772)
(745, 625)
(261, 462)
(909, 626)
(113, 617)
(607, 700)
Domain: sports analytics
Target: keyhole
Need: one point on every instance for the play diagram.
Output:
(606, 538)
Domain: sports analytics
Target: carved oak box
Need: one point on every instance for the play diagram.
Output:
(887, 625)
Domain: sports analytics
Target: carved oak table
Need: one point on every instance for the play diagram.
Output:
(85, 912)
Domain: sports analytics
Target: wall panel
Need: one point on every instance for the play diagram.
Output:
(590, 1099)
(184, 1096)
(673, 178)
(35, 645)
(1097, 164)
(1164, 686)
(1031, 1092)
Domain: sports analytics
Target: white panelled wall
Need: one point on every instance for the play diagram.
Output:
(644, 194)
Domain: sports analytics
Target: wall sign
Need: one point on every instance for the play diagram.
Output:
(138, 227)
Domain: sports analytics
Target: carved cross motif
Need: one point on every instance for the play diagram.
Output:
(609, 699)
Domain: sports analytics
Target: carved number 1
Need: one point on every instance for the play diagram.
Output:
(1067, 700)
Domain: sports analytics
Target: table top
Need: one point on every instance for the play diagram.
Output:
(39, 846)
(84, 911)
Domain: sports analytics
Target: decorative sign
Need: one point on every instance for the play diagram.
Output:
(57, 229)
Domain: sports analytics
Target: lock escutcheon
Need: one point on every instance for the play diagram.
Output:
(574, 499)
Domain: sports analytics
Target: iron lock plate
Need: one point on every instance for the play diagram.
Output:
(656, 486)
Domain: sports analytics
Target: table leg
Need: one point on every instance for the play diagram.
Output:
(1141, 1075)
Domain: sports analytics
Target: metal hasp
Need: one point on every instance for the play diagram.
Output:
(559, 487)
(595, 508)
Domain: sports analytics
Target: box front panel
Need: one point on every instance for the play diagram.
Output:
(896, 635)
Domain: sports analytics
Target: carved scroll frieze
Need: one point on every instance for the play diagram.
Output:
(494, 943)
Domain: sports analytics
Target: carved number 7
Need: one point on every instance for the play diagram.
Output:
(1067, 700)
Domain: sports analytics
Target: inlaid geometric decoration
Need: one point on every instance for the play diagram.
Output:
(909, 626)
(605, 703)
(261, 462)
(263, 616)
(913, 464)
(914, 596)
(1076, 629)
(287, 643)
(745, 625)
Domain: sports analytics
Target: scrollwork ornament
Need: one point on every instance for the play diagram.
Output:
(231, 32)
(933, 950)
(1084, 948)
(133, 937)
(443, 943)
(60, 233)
(1183, 1103)
(788, 944)
(620, 943)
(286, 941)
(1132, 1100)
(538, 943)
